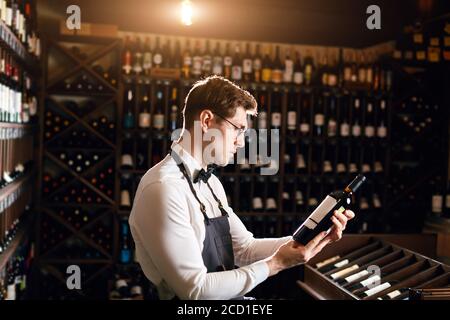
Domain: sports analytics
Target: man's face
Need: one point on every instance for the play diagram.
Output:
(231, 137)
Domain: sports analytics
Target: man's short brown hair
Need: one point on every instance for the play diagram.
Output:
(217, 94)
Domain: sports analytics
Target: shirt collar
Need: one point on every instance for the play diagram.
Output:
(190, 163)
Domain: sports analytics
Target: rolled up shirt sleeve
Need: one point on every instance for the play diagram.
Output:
(161, 227)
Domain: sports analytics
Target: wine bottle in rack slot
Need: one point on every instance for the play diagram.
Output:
(262, 113)
(147, 57)
(319, 117)
(277, 70)
(316, 160)
(197, 61)
(344, 122)
(258, 195)
(356, 118)
(158, 57)
(292, 113)
(288, 67)
(308, 64)
(288, 196)
(257, 64)
(158, 116)
(328, 162)
(382, 120)
(173, 116)
(125, 245)
(355, 153)
(126, 57)
(290, 155)
(276, 111)
(267, 66)
(298, 76)
(125, 196)
(137, 57)
(142, 153)
(332, 128)
(186, 68)
(247, 65)
(128, 117)
(144, 113)
(217, 61)
(271, 204)
(302, 159)
(305, 116)
(300, 197)
(236, 70)
(320, 218)
(369, 125)
(227, 62)
(207, 60)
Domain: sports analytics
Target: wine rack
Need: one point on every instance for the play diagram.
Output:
(368, 267)
(78, 222)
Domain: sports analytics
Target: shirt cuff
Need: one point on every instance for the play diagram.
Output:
(261, 271)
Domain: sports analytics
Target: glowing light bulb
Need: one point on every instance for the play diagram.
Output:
(186, 12)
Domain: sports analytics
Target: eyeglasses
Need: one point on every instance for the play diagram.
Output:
(240, 131)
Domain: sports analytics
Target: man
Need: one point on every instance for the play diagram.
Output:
(188, 240)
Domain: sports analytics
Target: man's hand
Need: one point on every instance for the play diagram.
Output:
(292, 253)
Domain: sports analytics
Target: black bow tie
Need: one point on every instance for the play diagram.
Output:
(204, 175)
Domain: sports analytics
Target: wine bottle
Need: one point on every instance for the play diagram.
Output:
(187, 61)
(309, 68)
(197, 62)
(207, 60)
(217, 63)
(277, 69)
(262, 114)
(158, 117)
(332, 118)
(356, 119)
(288, 67)
(319, 118)
(320, 218)
(173, 118)
(276, 111)
(227, 62)
(126, 56)
(257, 65)
(305, 116)
(292, 113)
(266, 67)
(147, 57)
(298, 70)
(157, 55)
(128, 120)
(144, 115)
(236, 70)
(247, 65)
(137, 59)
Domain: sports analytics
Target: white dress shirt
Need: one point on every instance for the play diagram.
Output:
(168, 229)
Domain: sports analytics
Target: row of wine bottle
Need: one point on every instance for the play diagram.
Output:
(16, 156)
(13, 277)
(254, 65)
(20, 17)
(13, 207)
(377, 270)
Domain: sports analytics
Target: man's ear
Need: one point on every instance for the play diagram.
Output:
(206, 117)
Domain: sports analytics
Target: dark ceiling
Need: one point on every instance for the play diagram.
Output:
(315, 22)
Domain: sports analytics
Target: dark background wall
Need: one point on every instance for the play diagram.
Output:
(315, 22)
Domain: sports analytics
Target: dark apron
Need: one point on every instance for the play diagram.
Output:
(217, 251)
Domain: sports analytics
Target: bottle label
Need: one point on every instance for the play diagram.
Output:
(292, 120)
(158, 121)
(319, 119)
(257, 64)
(332, 128)
(332, 79)
(436, 203)
(277, 76)
(262, 120)
(227, 61)
(197, 65)
(301, 162)
(370, 281)
(369, 131)
(217, 66)
(147, 64)
(276, 119)
(345, 129)
(321, 211)
(157, 59)
(356, 276)
(382, 131)
(236, 72)
(356, 130)
(266, 74)
(207, 63)
(298, 77)
(327, 261)
(377, 289)
(304, 127)
(144, 120)
(247, 65)
(341, 263)
(394, 294)
(347, 74)
(343, 272)
(257, 203)
(187, 61)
